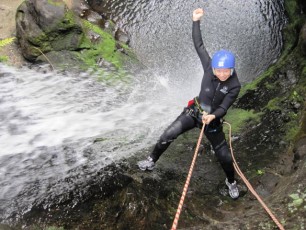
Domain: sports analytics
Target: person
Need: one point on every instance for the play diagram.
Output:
(219, 89)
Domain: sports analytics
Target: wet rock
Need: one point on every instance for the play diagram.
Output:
(43, 26)
(291, 76)
(3, 75)
(300, 150)
(303, 39)
(109, 26)
(79, 7)
(95, 38)
(122, 36)
(5, 227)
(105, 64)
(64, 59)
(92, 17)
(269, 181)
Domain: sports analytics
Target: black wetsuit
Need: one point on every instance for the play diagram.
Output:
(215, 98)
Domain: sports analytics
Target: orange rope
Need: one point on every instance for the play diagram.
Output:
(248, 183)
(180, 206)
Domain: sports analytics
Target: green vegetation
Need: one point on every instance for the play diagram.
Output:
(3, 58)
(57, 3)
(274, 104)
(296, 97)
(270, 81)
(290, 31)
(298, 199)
(6, 41)
(55, 228)
(238, 118)
(260, 172)
(35, 227)
(104, 47)
(3, 43)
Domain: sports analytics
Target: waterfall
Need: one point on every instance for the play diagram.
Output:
(55, 126)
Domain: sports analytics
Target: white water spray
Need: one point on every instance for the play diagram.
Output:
(48, 121)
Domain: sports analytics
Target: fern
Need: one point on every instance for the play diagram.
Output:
(6, 41)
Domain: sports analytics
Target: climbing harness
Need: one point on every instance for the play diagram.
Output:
(180, 206)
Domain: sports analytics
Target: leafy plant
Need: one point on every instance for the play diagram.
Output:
(6, 41)
(260, 172)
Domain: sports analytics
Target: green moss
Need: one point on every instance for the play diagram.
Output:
(254, 84)
(260, 172)
(54, 228)
(55, 3)
(105, 48)
(304, 71)
(86, 43)
(239, 117)
(291, 132)
(298, 199)
(36, 227)
(41, 41)
(69, 20)
(3, 58)
(274, 104)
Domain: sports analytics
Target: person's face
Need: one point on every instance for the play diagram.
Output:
(222, 74)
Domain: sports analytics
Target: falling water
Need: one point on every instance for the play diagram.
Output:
(59, 126)
(160, 32)
(49, 122)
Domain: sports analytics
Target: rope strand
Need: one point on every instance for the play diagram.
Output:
(248, 183)
(180, 206)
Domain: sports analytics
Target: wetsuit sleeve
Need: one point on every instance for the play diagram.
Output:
(227, 102)
(199, 46)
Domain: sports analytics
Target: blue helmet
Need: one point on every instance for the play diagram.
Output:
(223, 59)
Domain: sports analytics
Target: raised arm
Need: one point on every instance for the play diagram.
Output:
(198, 41)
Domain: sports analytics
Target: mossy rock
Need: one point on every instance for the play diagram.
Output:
(45, 25)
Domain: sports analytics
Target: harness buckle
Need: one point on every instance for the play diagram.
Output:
(190, 112)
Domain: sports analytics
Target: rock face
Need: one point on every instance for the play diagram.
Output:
(46, 25)
(302, 5)
(303, 39)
